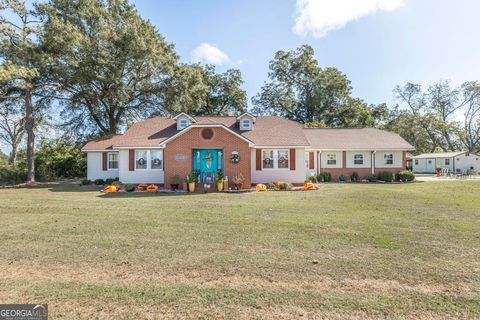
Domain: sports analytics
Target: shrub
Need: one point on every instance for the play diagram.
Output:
(99, 182)
(312, 179)
(324, 177)
(354, 177)
(371, 178)
(85, 182)
(405, 176)
(12, 174)
(270, 185)
(285, 186)
(130, 188)
(110, 181)
(117, 184)
(386, 176)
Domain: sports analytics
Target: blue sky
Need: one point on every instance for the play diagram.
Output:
(376, 43)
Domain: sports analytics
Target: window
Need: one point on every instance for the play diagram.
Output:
(331, 159)
(447, 162)
(429, 161)
(140, 160)
(416, 162)
(282, 159)
(307, 160)
(388, 157)
(267, 159)
(246, 123)
(156, 159)
(112, 160)
(358, 159)
(183, 123)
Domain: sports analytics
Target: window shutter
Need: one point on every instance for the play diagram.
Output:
(258, 159)
(311, 160)
(131, 160)
(105, 161)
(292, 159)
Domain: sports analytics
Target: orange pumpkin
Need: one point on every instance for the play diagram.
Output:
(309, 186)
(110, 189)
(152, 188)
(261, 187)
(142, 186)
(277, 184)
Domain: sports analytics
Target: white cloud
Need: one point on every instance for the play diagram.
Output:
(207, 53)
(319, 17)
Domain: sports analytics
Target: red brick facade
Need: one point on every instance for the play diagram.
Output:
(178, 154)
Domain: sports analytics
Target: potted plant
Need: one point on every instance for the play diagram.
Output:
(219, 180)
(175, 182)
(192, 178)
(238, 181)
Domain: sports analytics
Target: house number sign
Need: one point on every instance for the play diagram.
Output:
(180, 157)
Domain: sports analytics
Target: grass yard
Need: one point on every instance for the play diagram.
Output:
(346, 250)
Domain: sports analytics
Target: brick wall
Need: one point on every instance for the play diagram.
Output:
(222, 139)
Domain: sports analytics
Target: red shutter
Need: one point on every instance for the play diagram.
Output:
(105, 161)
(292, 159)
(311, 160)
(258, 159)
(131, 160)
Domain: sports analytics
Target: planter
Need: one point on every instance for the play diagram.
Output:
(238, 186)
(220, 186)
(174, 186)
(191, 187)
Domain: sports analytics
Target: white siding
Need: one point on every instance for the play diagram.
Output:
(95, 167)
(464, 162)
(397, 159)
(367, 159)
(323, 160)
(271, 175)
(137, 176)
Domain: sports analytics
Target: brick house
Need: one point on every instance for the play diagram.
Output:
(262, 149)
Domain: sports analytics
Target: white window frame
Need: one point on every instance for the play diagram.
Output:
(335, 159)
(307, 160)
(447, 164)
(150, 159)
(108, 160)
(362, 160)
(386, 159)
(272, 151)
(182, 123)
(416, 162)
(249, 124)
(276, 158)
(146, 159)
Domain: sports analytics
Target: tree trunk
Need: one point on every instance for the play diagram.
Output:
(13, 154)
(29, 125)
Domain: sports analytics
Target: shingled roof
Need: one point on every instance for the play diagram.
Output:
(103, 143)
(355, 139)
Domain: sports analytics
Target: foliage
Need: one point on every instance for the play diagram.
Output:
(386, 176)
(99, 182)
(371, 178)
(270, 185)
(405, 176)
(129, 187)
(192, 177)
(176, 179)
(285, 186)
(55, 159)
(12, 174)
(86, 182)
(302, 91)
(324, 177)
(219, 176)
(238, 178)
(354, 177)
(109, 181)
(312, 179)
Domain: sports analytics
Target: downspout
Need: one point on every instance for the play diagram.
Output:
(372, 161)
(319, 161)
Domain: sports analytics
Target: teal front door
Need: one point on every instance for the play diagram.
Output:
(207, 162)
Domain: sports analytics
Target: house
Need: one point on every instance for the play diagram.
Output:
(262, 149)
(454, 161)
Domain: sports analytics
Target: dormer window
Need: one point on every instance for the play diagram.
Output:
(183, 123)
(246, 121)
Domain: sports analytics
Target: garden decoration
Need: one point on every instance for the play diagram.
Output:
(261, 187)
(110, 189)
(152, 188)
(309, 186)
(142, 187)
(235, 157)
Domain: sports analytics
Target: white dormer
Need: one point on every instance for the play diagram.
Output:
(246, 121)
(183, 120)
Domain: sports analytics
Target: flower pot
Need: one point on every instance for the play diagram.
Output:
(174, 186)
(191, 187)
(220, 186)
(238, 186)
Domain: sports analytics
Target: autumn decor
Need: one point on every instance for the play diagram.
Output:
(142, 187)
(110, 189)
(152, 188)
(261, 187)
(309, 186)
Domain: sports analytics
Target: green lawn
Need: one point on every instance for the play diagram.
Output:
(346, 250)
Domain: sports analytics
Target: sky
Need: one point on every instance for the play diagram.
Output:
(378, 44)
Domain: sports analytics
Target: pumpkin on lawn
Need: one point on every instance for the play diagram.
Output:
(142, 187)
(261, 187)
(309, 186)
(110, 189)
(152, 188)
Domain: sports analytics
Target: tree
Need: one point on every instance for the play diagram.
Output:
(110, 65)
(21, 61)
(224, 93)
(12, 126)
(470, 135)
(302, 91)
